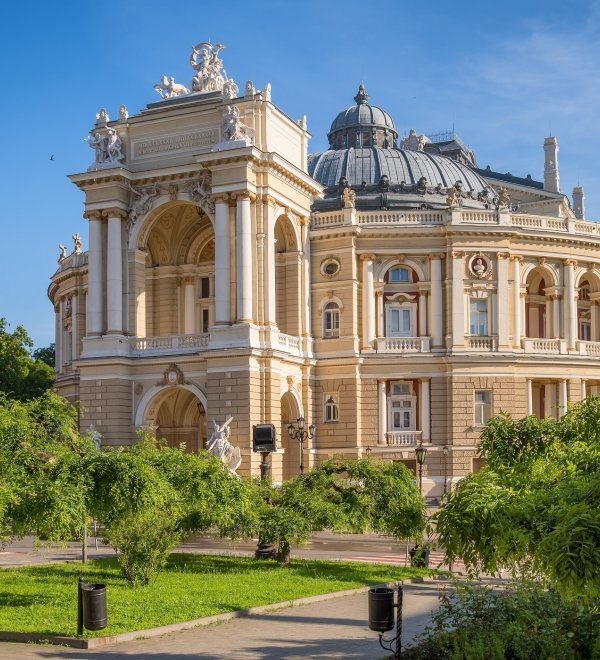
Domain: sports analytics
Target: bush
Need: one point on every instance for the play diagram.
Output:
(521, 621)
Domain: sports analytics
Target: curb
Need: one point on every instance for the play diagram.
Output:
(100, 642)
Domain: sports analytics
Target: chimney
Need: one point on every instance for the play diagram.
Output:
(578, 202)
(551, 164)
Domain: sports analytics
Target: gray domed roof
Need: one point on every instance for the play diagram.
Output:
(362, 125)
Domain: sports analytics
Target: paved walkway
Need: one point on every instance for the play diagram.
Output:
(333, 628)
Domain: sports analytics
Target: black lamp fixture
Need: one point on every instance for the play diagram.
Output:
(421, 455)
(301, 434)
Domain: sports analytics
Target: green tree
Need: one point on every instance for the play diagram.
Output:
(46, 354)
(344, 496)
(22, 376)
(535, 506)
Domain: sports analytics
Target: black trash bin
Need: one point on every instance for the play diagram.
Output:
(94, 606)
(381, 609)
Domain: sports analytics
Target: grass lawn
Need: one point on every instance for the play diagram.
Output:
(43, 599)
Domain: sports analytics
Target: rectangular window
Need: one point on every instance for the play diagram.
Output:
(400, 275)
(204, 287)
(479, 318)
(399, 322)
(483, 407)
(205, 320)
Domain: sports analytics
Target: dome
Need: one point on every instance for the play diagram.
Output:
(362, 125)
(363, 155)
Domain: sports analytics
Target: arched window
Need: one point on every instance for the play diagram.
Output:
(330, 410)
(400, 275)
(331, 321)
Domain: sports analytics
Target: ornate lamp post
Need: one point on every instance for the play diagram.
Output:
(421, 455)
(297, 431)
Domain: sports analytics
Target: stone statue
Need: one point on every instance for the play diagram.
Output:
(63, 252)
(123, 114)
(414, 142)
(233, 126)
(108, 147)
(250, 90)
(77, 242)
(218, 444)
(102, 116)
(267, 92)
(210, 76)
(452, 197)
(349, 198)
(94, 435)
(503, 198)
(479, 267)
(230, 89)
(201, 190)
(167, 88)
(384, 184)
(422, 186)
(143, 201)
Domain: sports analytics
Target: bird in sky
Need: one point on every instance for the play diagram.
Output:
(52, 157)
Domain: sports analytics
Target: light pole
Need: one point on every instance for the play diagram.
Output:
(298, 431)
(445, 469)
(421, 455)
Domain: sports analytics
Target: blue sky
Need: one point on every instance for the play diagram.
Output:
(504, 74)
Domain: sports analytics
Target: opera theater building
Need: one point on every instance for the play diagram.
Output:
(389, 291)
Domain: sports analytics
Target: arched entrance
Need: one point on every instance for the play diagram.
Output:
(177, 414)
(290, 412)
(287, 278)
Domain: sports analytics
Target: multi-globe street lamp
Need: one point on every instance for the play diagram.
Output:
(421, 455)
(302, 435)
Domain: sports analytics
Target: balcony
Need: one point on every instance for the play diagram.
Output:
(403, 438)
(591, 348)
(482, 344)
(289, 344)
(167, 345)
(403, 344)
(545, 346)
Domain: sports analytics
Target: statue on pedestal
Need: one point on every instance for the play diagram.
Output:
(218, 444)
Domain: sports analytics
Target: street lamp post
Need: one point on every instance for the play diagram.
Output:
(298, 431)
(445, 469)
(421, 455)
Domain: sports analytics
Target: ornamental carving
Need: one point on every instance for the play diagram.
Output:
(480, 266)
(172, 376)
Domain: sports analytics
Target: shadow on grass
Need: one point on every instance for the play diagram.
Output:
(21, 600)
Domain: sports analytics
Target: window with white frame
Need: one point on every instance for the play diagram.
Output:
(331, 320)
(400, 275)
(478, 317)
(331, 409)
(400, 319)
(483, 407)
(401, 407)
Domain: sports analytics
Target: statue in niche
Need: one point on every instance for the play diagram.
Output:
(233, 126)
(218, 444)
(63, 252)
(143, 201)
(78, 245)
(167, 88)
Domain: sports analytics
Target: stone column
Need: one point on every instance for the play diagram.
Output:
(380, 331)
(382, 411)
(58, 333)
(189, 305)
(95, 304)
(306, 304)
(502, 299)
(422, 314)
(570, 298)
(458, 300)
(529, 396)
(270, 285)
(74, 329)
(244, 255)
(222, 261)
(425, 411)
(583, 389)
(436, 317)
(517, 331)
(368, 302)
(114, 272)
(562, 397)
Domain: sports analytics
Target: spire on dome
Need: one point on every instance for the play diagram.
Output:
(361, 97)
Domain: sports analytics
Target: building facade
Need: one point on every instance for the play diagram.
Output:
(389, 291)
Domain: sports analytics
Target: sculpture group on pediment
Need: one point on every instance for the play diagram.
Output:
(108, 147)
(234, 127)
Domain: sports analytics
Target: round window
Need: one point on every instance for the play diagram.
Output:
(330, 267)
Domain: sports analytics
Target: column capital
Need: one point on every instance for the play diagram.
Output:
(114, 212)
(220, 197)
(517, 257)
(93, 215)
(457, 254)
(424, 379)
(243, 195)
(188, 279)
(570, 262)
(270, 201)
(303, 220)
(367, 257)
(436, 256)
(502, 255)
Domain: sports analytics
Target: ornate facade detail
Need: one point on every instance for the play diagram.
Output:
(108, 147)
(142, 201)
(480, 266)
(167, 88)
(414, 142)
(77, 244)
(452, 197)
(172, 376)
(123, 114)
(200, 191)
(349, 198)
(503, 199)
(233, 126)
